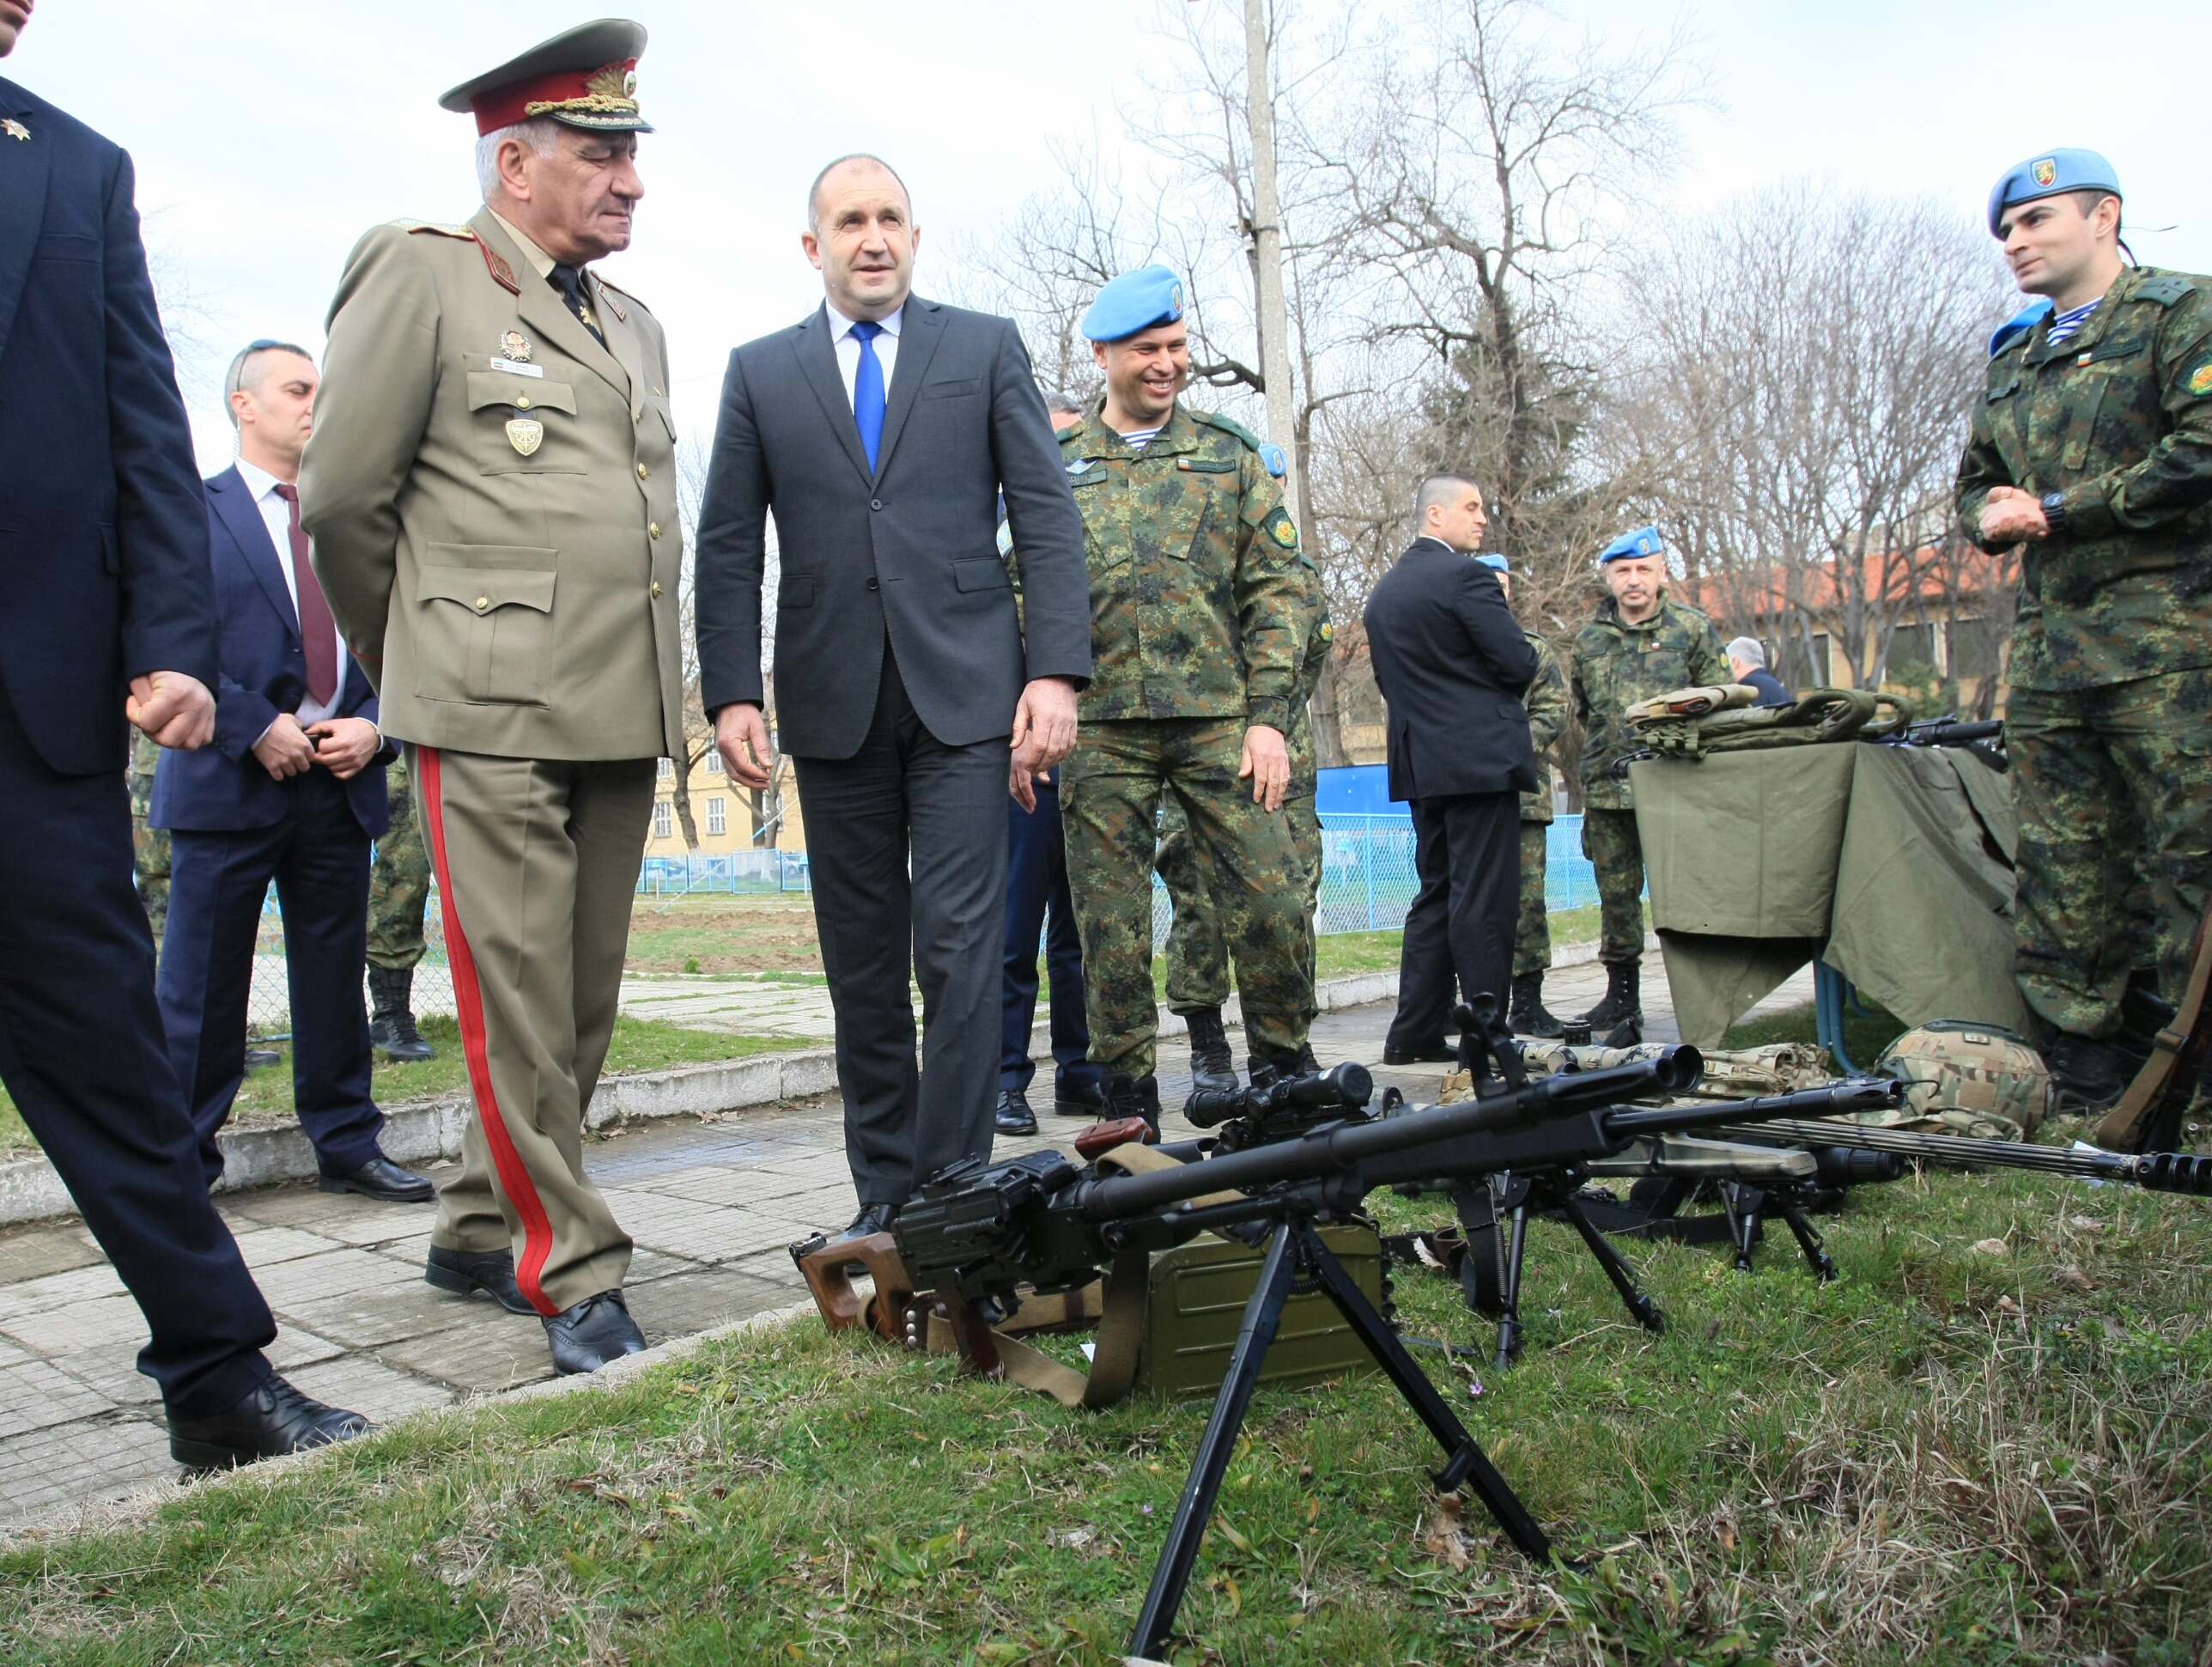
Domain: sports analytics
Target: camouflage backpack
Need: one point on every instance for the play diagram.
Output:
(1980, 1080)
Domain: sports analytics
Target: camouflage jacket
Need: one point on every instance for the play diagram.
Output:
(1319, 634)
(1547, 701)
(1616, 664)
(1198, 594)
(2118, 418)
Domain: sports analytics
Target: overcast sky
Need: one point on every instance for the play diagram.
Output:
(268, 134)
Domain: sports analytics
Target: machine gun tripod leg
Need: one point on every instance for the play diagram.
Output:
(1297, 1256)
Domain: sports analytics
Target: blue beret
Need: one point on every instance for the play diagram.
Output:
(2048, 175)
(1645, 541)
(2019, 325)
(1493, 559)
(1135, 300)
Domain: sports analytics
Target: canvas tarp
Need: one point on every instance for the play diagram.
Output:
(1894, 864)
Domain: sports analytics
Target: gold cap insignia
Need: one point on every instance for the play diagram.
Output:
(526, 434)
(13, 129)
(515, 346)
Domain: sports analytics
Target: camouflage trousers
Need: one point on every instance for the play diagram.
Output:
(1109, 798)
(2113, 789)
(1611, 843)
(399, 884)
(1532, 941)
(150, 846)
(1198, 955)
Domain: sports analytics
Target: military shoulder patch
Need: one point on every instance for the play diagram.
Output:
(2165, 289)
(2200, 379)
(462, 232)
(1279, 527)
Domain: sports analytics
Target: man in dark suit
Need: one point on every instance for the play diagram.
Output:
(107, 611)
(880, 432)
(1452, 664)
(292, 791)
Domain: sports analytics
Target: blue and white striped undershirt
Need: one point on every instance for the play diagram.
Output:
(1136, 438)
(2066, 324)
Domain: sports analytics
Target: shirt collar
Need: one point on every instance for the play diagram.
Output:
(539, 260)
(841, 327)
(258, 481)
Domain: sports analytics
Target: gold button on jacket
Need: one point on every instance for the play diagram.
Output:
(492, 594)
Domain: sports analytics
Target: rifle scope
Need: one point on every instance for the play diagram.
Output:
(1349, 1087)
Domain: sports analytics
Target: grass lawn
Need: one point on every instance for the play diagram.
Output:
(770, 931)
(1865, 1035)
(638, 1045)
(1991, 1442)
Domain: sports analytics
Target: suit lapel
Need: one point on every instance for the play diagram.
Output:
(25, 168)
(622, 342)
(920, 331)
(543, 311)
(818, 360)
(238, 512)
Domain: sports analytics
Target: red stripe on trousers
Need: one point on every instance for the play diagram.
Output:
(468, 1000)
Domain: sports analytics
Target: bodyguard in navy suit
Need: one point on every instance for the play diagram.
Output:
(106, 610)
(292, 791)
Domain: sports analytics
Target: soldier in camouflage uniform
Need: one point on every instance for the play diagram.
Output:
(1639, 645)
(1198, 602)
(1547, 707)
(2092, 450)
(150, 846)
(398, 891)
(1198, 957)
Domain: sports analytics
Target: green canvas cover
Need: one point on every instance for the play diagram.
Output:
(1898, 859)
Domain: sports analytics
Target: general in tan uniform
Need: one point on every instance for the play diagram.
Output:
(492, 498)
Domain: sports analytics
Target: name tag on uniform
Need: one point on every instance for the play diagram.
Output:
(515, 369)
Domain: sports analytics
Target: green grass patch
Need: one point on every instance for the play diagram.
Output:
(638, 1044)
(1958, 1454)
(1865, 1034)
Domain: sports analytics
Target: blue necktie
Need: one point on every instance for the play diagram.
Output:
(868, 390)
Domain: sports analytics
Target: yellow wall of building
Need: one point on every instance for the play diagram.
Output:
(708, 784)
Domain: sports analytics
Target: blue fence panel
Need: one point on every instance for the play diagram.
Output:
(724, 871)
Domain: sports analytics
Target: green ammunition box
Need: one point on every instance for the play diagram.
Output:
(1197, 1299)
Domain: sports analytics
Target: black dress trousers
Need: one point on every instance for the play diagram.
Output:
(84, 1057)
(1467, 850)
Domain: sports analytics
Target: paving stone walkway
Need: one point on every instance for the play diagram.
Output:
(712, 1206)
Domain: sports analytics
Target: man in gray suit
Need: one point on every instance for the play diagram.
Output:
(881, 432)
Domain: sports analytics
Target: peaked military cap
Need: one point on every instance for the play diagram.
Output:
(1645, 541)
(585, 77)
(2051, 174)
(1135, 300)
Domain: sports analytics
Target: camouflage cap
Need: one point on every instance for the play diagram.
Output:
(1979, 1080)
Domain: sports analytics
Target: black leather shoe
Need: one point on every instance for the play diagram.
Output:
(464, 1272)
(273, 1419)
(873, 1219)
(1015, 1117)
(383, 1180)
(1436, 1053)
(1080, 1099)
(258, 1057)
(595, 1331)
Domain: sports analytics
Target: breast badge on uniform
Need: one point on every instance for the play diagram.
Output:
(1278, 527)
(516, 346)
(15, 130)
(526, 434)
(2200, 379)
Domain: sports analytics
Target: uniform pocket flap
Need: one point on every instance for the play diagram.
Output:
(481, 589)
(492, 387)
(982, 575)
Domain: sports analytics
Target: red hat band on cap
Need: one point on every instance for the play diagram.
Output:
(608, 90)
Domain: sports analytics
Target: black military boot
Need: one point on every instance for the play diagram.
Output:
(1264, 1073)
(1132, 1097)
(1529, 1016)
(1624, 998)
(2090, 1075)
(392, 1030)
(1213, 1067)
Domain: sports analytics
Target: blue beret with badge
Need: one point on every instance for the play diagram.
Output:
(2019, 325)
(1492, 559)
(1645, 541)
(1135, 300)
(2051, 175)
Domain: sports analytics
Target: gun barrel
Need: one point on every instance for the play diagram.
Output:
(1840, 1099)
(1954, 734)
(2156, 1172)
(1337, 1148)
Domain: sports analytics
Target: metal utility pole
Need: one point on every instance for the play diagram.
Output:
(1268, 247)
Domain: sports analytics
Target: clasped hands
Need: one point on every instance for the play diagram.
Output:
(343, 746)
(2010, 515)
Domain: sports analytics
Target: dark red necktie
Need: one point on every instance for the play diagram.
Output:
(317, 631)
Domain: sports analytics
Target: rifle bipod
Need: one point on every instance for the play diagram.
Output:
(1746, 1205)
(1296, 1258)
(1490, 1270)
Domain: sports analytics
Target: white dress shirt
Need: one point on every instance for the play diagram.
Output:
(276, 516)
(848, 347)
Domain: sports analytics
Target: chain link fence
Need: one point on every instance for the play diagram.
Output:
(1368, 882)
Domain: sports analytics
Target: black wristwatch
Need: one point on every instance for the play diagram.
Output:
(2054, 512)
